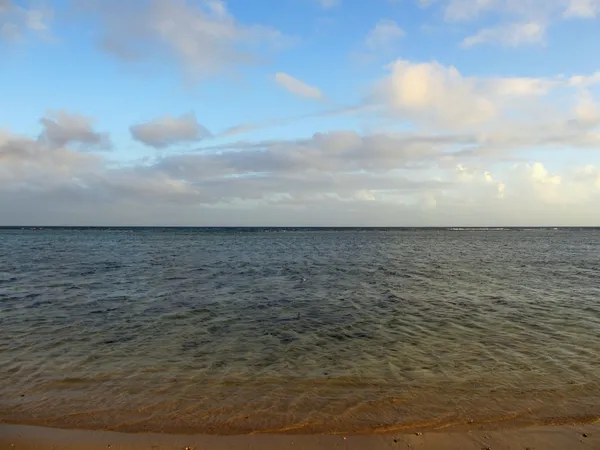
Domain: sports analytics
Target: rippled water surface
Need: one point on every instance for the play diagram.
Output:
(305, 331)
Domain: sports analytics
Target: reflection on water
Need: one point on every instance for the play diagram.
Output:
(310, 331)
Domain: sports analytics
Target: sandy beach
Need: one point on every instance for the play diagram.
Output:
(21, 437)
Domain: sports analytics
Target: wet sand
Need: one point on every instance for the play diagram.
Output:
(21, 437)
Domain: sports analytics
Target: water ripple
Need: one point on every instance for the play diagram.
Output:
(310, 331)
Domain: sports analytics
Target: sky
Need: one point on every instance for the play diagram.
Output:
(300, 112)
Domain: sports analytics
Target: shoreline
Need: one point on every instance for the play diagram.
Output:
(559, 437)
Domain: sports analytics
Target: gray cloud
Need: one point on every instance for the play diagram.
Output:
(16, 21)
(62, 128)
(168, 130)
(336, 178)
(203, 36)
(339, 165)
(334, 152)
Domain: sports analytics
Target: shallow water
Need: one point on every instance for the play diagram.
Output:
(304, 331)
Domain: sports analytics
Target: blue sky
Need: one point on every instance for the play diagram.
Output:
(299, 112)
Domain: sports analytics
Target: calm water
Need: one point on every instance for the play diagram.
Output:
(305, 331)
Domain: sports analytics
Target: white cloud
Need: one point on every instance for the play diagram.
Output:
(513, 22)
(203, 36)
(588, 174)
(365, 195)
(528, 194)
(384, 35)
(436, 93)
(480, 184)
(298, 87)
(583, 8)
(584, 81)
(512, 35)
(587, 110)
(540, 175)
(168, 130)
(432, 94)
(521, 86)
(576, 187)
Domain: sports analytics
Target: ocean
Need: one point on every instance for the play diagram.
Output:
(228, 331)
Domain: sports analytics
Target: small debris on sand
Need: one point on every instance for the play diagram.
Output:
(418, 433)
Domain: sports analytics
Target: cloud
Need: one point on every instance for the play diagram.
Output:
(384, 35)
(513, 22)
(587, 110)
(34, 165)
(168, 130)
(317, 170)
(451, 169)
(481, 148)
(469, 10)
(17, 22)
(297, 87)
(434, 93)
(521, 86)
(341, 177)
(323, 153)
(583, 9)
(281, 121)
(241, 129)
(540, 175)
(487, 185)
(62, 128)
(466, 10)
(328, 4)
(512, 35)
(584, 81)
(203, 36)
(546, 10)
(573, 188)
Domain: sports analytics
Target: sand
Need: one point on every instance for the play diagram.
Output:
(21, 437)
